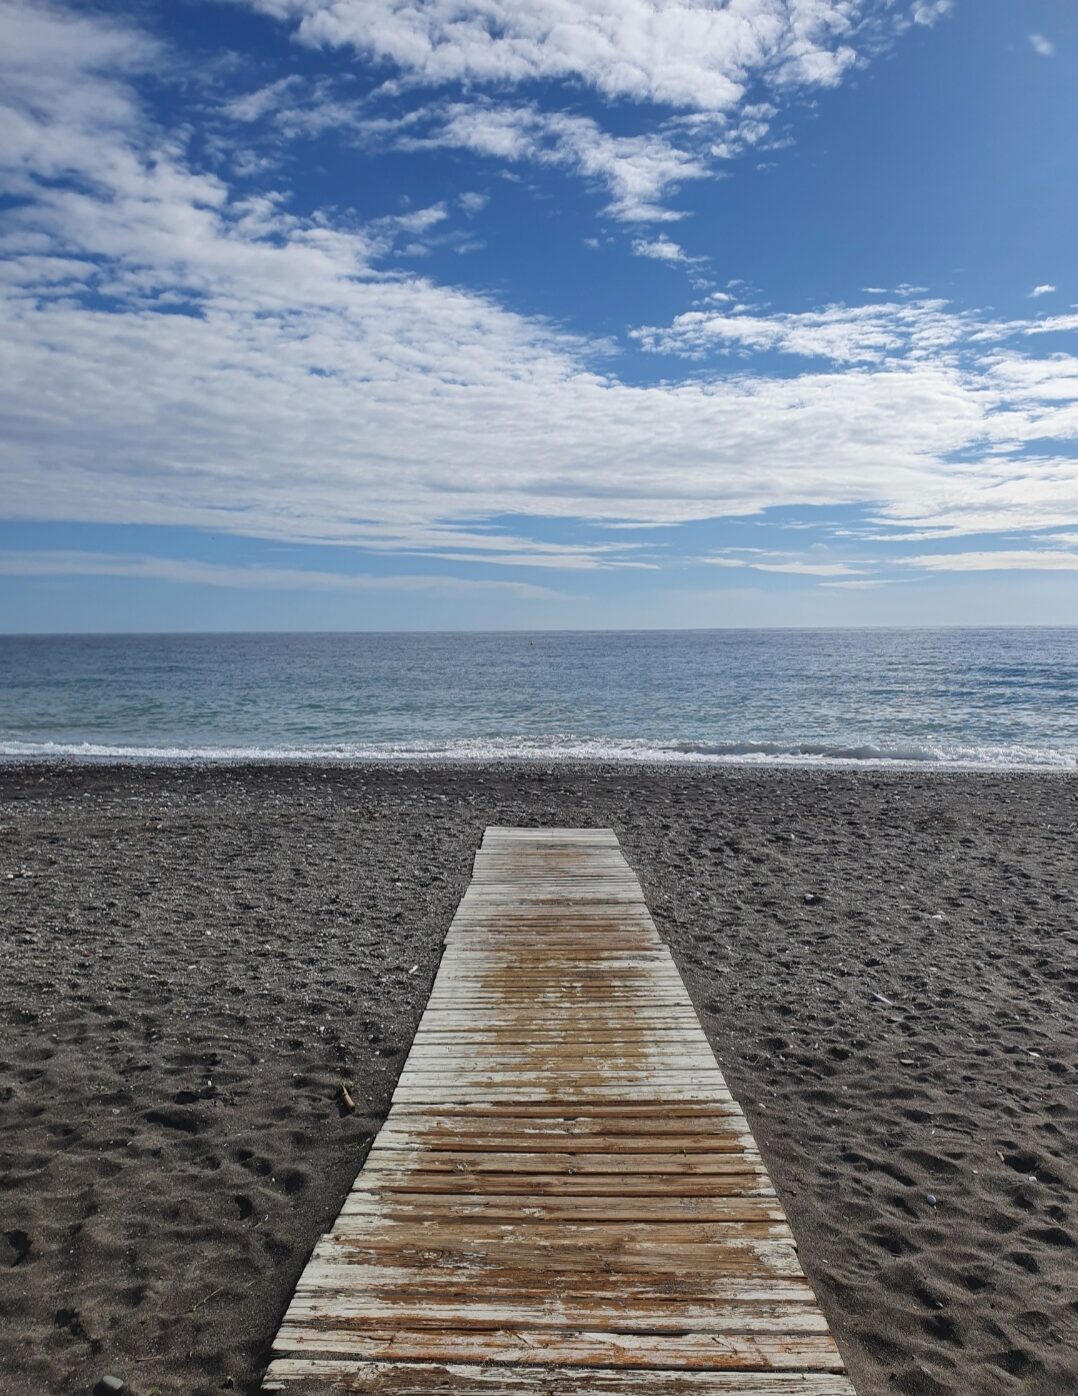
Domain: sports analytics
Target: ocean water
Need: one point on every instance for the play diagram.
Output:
(994, 697)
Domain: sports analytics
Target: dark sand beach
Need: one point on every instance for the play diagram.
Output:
(194, 959)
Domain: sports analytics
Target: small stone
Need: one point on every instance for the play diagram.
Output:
(930, 1198)
(107, 1385)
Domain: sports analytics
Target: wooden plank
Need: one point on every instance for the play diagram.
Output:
(753, 1252)
(564, 1057)
(508, 1207)
(406, 1160)
(748, 1261)
(563, 1076)
(333, 1299)
(628, 1237)
(723, 1191)
(801, 1352)
(616, 1042)
(564, 1199)
(467, 1379)
(618, 1147)
(626, 1116)
(511, 1044)
(463, 1094)
(497, 1280)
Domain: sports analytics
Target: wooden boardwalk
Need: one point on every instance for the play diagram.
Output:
(564, 1199)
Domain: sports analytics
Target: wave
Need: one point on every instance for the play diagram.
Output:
(555, 748)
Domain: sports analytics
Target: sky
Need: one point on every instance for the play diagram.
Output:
(511, 314)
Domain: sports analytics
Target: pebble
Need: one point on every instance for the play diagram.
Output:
(107, 1385)
(930, 1198)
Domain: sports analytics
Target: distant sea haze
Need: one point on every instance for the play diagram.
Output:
(991, 698)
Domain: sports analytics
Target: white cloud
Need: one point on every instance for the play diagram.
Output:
(253, 106)
(419, 220)
(843, 334)
(1041, 45)
(690, 54)
(660, 249)
(795, 567)
(722, 68)
(172, 353)
(1043, 290)
(807, 569)
(1050, 324)
(637, 172)
(1000, 560)
(74, 563)
(928, 12)
(876, 333)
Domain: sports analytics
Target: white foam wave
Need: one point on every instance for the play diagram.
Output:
(941, 755)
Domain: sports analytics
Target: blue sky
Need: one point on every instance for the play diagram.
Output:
(365, 314)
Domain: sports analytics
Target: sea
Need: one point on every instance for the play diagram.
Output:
(996, 698)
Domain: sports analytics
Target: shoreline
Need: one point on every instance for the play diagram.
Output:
(885, 962)
(569, 764)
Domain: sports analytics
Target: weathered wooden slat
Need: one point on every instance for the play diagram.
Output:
(750, 1251)
(580, 1121)
(626, 1014)
(628, 1120)
(601, 981)
(626, 1115)
(601, 960)
(619, 1148)
(412, 1207)
(408, 1160)
(468, 1279)
(613, 1043)
(572, 1084)
(559, 1059)
(683, 1051)
(483, 1183)
(449, 1379)
(528, 963)
(464, 1094)
(803, 1352)
(335, 1299)
(565, 1200)
(740, 1253)
(626, 1236)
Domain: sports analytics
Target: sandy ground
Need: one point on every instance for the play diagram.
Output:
(192, 961)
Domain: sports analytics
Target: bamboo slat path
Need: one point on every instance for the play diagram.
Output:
(564, 1199)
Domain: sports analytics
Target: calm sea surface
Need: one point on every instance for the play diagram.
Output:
(965, 697)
